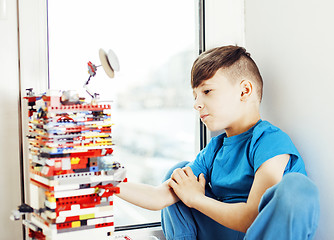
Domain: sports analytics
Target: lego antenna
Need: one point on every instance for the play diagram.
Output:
(110, 64)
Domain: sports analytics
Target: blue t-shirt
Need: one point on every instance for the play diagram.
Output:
(229, 163)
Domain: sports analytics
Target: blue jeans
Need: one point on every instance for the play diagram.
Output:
(289, 210)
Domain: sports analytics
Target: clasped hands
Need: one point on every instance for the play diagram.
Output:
(187, 186)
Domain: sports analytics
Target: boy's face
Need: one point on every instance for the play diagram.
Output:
(218, 102)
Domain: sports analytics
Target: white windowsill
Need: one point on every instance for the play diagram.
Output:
(150, 233)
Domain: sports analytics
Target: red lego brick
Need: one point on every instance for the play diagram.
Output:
(71, 219)
(64, 225)
(36, 235)
(78, 107)
(85, 201)
(104, 225)
(62, 172)
(110, 189)
(38, 184)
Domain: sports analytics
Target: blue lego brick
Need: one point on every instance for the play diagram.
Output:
(94, 169)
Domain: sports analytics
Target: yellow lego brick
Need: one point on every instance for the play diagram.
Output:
(51, 199)
(75, 160)
(87, 216)
(49, 194)
(76, 224)
(96, 135)
(103, 141)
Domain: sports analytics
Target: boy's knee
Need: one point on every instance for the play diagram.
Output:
(178, 165)
(293, 183)
(297, 192)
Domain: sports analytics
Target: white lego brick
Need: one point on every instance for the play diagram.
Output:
(49, 162)
(65, 187)
(62, 219)
(104, 213)
(50, 215)
(51, 205)
(35, 159)
(91, 222)
(120, 174)
(66, 164)
(43, 180)
(82, 178)
(77, 177)
(34, 196)
(79, 192)
(102, 178)
(30, 225)
(45, 170)
(75, 207)
(40, 179)
(98, 211)
(107, 219)
(86, 234)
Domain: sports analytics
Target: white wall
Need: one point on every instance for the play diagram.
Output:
(224, 23)
(9, 115)
(293, 44)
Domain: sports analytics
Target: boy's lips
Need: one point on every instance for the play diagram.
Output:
(203, 116)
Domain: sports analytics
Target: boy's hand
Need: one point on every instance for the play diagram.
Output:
(186, 185)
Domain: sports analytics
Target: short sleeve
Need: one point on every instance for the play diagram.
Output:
(268, 143)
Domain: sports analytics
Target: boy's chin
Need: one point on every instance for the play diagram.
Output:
(213, 128)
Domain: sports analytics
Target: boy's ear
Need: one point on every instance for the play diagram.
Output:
(246, 88)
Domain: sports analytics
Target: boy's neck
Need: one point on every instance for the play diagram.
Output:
(243, 124)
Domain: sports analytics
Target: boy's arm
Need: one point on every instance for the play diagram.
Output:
(146, 196)
(237, 216)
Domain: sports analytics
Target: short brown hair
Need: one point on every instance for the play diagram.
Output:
(234, 59)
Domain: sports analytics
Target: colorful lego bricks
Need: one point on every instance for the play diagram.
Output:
(72, 172)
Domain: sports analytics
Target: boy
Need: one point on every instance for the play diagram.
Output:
(248, 183)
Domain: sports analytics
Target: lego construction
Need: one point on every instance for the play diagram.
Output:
(72, 172)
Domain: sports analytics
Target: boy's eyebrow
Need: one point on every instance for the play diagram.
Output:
(203, 84)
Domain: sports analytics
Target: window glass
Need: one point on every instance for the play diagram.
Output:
(155, 42)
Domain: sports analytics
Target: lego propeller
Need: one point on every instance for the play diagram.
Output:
(110, 64)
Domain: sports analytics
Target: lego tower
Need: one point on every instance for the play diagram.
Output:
(72, 173)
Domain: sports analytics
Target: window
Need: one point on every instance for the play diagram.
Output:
(156, 44)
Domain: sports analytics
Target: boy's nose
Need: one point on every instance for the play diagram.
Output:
(198, 105)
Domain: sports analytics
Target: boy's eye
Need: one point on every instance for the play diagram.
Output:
(207, 91)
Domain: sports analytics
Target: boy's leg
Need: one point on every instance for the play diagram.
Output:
(182, 223)
(289, 210)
